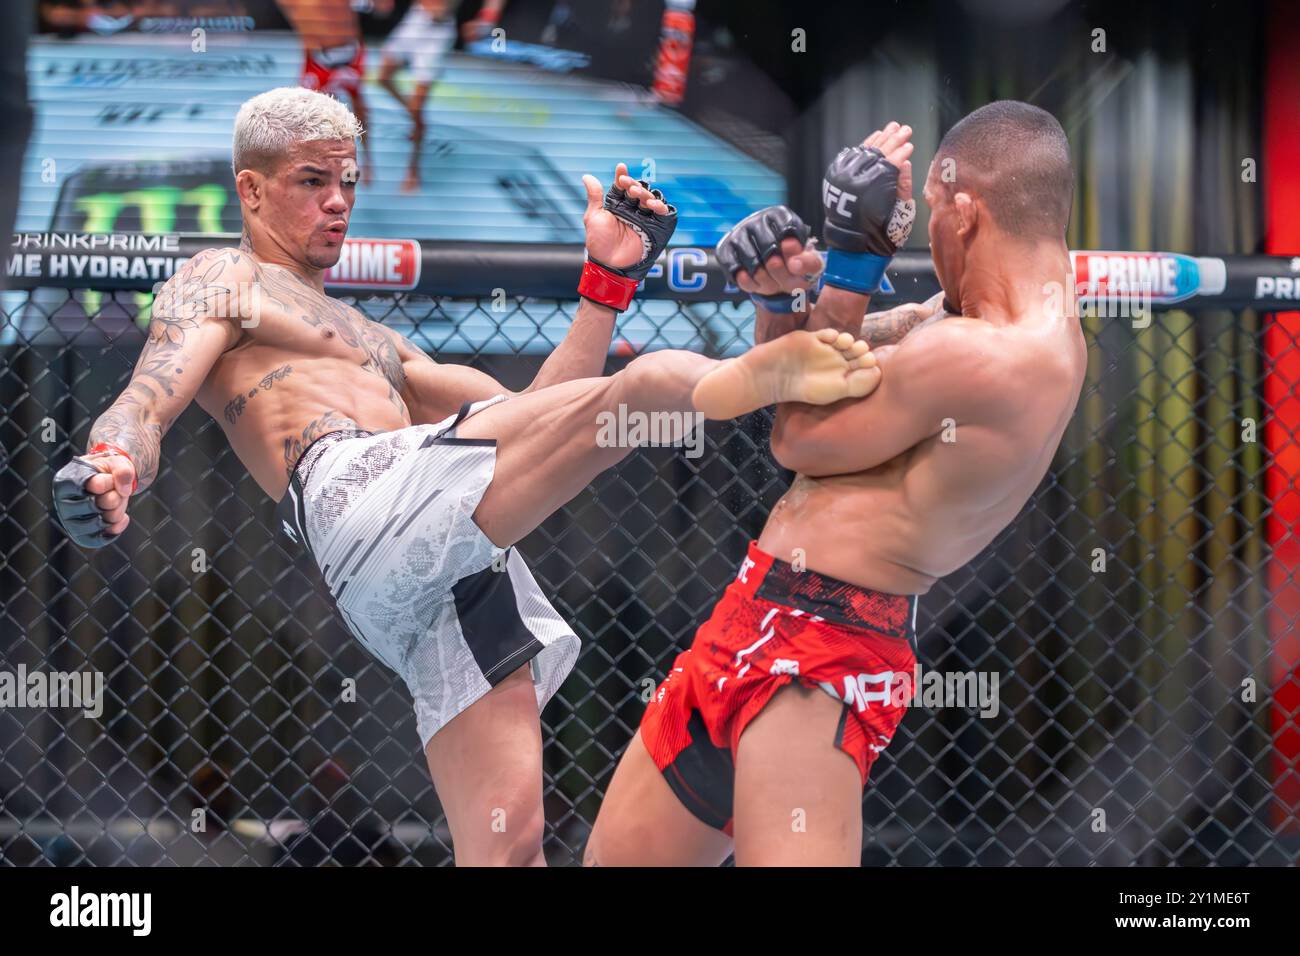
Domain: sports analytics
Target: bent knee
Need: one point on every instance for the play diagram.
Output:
(654, 372)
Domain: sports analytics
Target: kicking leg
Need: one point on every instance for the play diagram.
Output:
(486, 765)
(550, 442)
(798, 796)
(642, 823)
(797, 367)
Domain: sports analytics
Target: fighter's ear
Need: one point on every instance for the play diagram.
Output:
(250, 185)
(967, 213)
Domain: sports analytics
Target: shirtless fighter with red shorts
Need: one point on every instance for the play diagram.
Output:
(761, 737)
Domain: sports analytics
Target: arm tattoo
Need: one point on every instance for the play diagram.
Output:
(126, 425)
(235, 407)
(132, 422)
(382, 359)
(294, 446)
(889, 328)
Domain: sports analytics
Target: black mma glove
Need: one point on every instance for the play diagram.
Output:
(866, 222)
(75, 507)
(754, 240)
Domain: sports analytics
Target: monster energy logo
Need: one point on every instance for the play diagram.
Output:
(157, 207)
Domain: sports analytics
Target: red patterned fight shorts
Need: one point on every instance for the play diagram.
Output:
(775, 625)
(334, 70)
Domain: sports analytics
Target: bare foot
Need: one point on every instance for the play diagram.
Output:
(814, 367)
(411, 184)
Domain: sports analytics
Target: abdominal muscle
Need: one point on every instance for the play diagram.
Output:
(272, 404)
(855, 528)
(900, 527)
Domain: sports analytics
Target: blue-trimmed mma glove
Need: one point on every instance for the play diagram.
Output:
(614, 286)
(754, 240)
(866, 222)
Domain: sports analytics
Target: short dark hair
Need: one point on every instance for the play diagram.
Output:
(1017, 159)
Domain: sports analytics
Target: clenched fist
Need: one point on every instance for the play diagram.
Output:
(90, 495)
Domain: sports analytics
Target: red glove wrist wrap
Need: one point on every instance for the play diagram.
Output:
(105, 446)
(607, 288)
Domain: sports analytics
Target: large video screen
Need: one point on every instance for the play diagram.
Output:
(135, 105)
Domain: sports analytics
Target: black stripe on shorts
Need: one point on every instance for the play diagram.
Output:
(491, 623)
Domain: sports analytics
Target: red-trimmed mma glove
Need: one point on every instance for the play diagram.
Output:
(866, 222)
(754, 240)
(75, 506)
(613, 286)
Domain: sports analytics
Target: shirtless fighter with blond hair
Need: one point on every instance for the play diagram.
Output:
(408, 481)
(792, 688)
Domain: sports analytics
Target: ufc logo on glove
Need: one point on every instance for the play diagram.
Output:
(836, 197)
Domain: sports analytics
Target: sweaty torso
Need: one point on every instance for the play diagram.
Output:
(901, 526)
(304, 365)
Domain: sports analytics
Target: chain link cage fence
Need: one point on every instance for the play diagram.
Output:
(1121, 612)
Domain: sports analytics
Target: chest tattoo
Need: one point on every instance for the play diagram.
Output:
(377, 344)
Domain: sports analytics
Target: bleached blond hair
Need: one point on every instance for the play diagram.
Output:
(270, 123)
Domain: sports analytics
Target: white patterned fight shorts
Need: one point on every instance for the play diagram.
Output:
(388, 519)
(421, 42)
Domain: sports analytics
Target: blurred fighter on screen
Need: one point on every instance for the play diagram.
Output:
(761, 737)
(420, 42)
(333, 50)
(406, 480)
